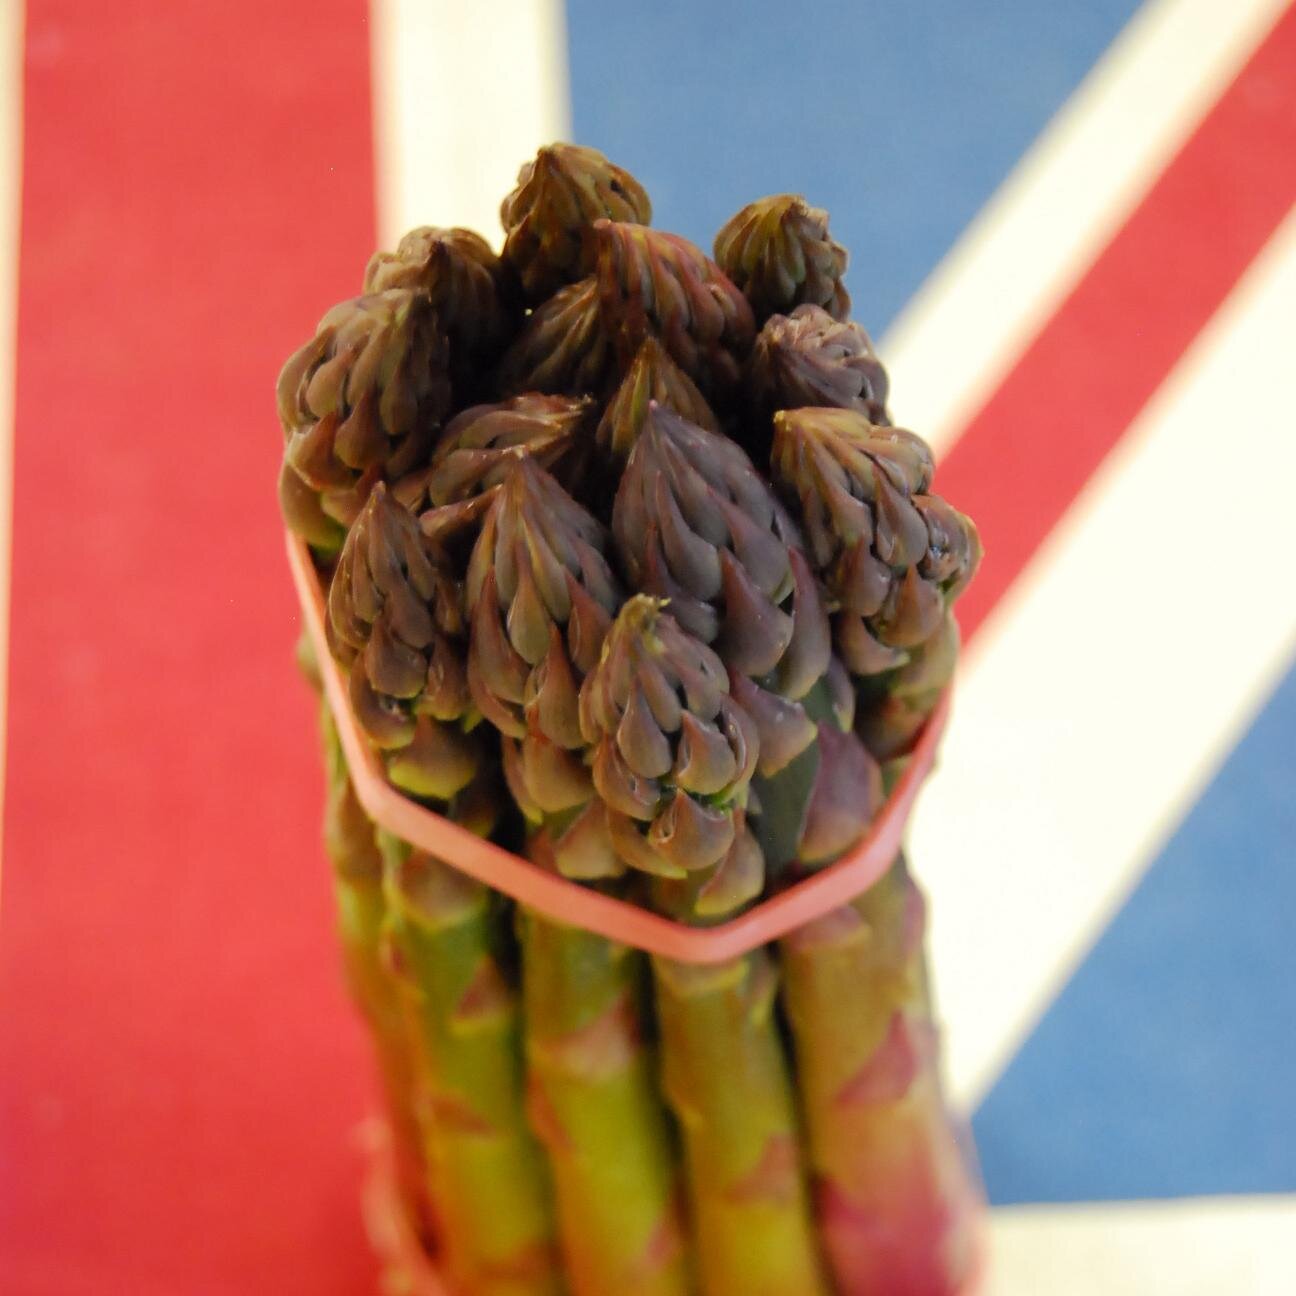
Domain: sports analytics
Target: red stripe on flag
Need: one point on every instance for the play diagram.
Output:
(179, 1073)
(1027, 454)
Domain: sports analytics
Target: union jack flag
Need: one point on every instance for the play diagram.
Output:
(1074, 236)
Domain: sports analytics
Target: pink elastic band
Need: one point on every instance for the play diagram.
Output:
(579, 906)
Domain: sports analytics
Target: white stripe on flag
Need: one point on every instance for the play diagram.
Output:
(1103, 692)
(1089, 169)
(11, 75)
(463, 95)
(1229, 1246)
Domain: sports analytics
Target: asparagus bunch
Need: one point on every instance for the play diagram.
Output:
(629, 569)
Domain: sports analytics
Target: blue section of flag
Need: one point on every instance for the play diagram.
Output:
(1167, 1067)
(901, 119)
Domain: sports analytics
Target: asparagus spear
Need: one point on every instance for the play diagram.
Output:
(760, 782)
(695, 523)
(395, 611)
(727, 1079)
(541, 596)
(779, 252)
(896, 1199)
(352, 851)
(674, 755)
(359, 404)
(895, 1195)
(487, 1169)
(593, 1099)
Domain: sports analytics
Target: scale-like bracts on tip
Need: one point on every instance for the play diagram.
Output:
(673, 756)
(548, 218)
(892, 556)
(695, 524)
(541, 597)
(474, 452)
(394, 618)
(779, 252)
(359, 403)
(809, 358)
(652, 377)
(652, 284)
(563, 348)
(466, 285)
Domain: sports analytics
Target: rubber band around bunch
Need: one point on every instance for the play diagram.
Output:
(572, 903)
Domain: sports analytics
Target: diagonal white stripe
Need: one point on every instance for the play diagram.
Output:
(11, 81)
(1230, 1246)
(1108, 686)
(463, 95)
(1036, 237)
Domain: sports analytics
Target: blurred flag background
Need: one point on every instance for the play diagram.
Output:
(1073, 231)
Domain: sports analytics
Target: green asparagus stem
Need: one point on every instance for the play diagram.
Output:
(488, 1171)
(897, 1200)
(593, 1100)
(357, 884)
(728, 1082)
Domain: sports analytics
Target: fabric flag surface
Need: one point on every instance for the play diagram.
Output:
(1073, 236)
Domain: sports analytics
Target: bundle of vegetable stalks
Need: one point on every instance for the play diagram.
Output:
(629, 569)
